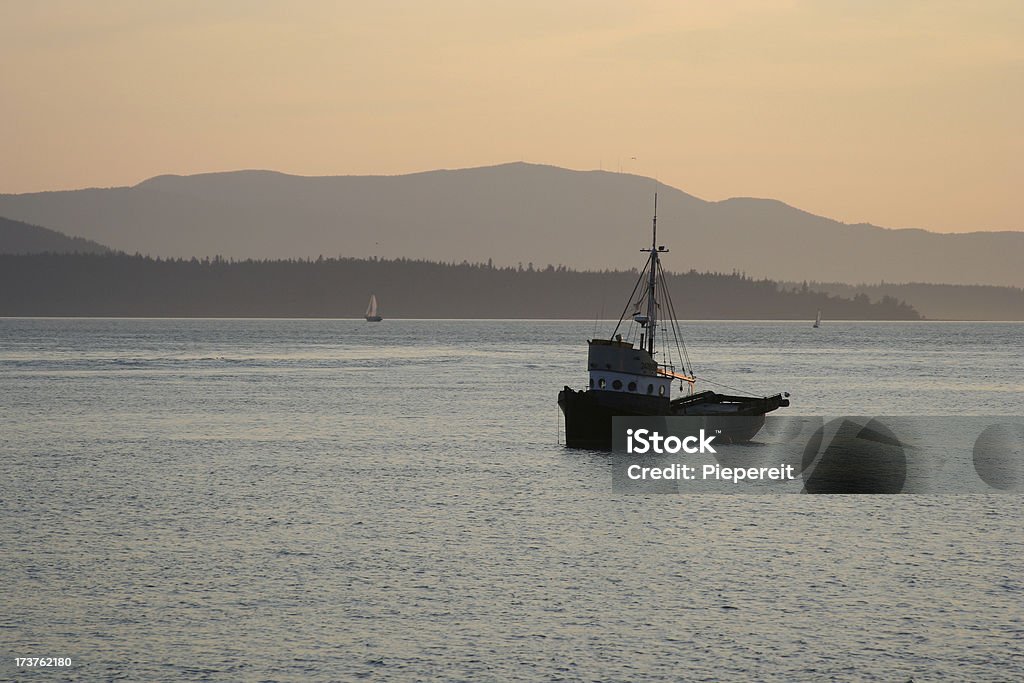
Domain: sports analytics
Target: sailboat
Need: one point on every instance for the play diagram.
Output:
(632, 377)
(371, 311)
(817, 321)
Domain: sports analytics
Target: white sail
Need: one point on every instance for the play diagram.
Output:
(371, 310)
(817, 320)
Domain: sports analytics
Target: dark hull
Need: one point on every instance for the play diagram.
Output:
(588, 414)
(373, 318)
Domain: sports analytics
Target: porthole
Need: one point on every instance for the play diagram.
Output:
(650, 388)
(661, 390)
(600, 383)
(617, 385)
(632, 386)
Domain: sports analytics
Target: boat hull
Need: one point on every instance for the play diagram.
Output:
(588, 414)
(373, 318)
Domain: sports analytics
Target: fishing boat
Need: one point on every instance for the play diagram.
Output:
(817, 321)
(371, 311)
(631, 377)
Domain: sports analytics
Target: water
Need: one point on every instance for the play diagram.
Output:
(333, 500)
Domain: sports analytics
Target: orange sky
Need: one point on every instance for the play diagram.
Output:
(903, 113)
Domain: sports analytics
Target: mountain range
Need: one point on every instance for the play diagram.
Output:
(22, 238)
(512, 213)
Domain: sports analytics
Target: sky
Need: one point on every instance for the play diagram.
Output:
(900, 113)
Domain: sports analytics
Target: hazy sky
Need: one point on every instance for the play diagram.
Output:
(900, 113)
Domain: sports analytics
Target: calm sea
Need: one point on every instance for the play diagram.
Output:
(334, 500)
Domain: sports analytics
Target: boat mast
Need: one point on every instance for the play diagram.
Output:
(652, 280)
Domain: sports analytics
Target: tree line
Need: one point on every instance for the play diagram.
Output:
(118, 284)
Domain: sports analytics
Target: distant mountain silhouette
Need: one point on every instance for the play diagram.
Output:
(512, 213)
(21, 238)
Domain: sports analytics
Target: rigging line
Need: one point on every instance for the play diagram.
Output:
(667, 300)
(629, 302)
(677, 331)
(670, 311)
(673, 324)
(687, 365)
(726, 386)
(682, 341)
(685, 354)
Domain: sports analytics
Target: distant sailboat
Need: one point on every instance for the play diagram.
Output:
(817, 321)
(371, 311)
